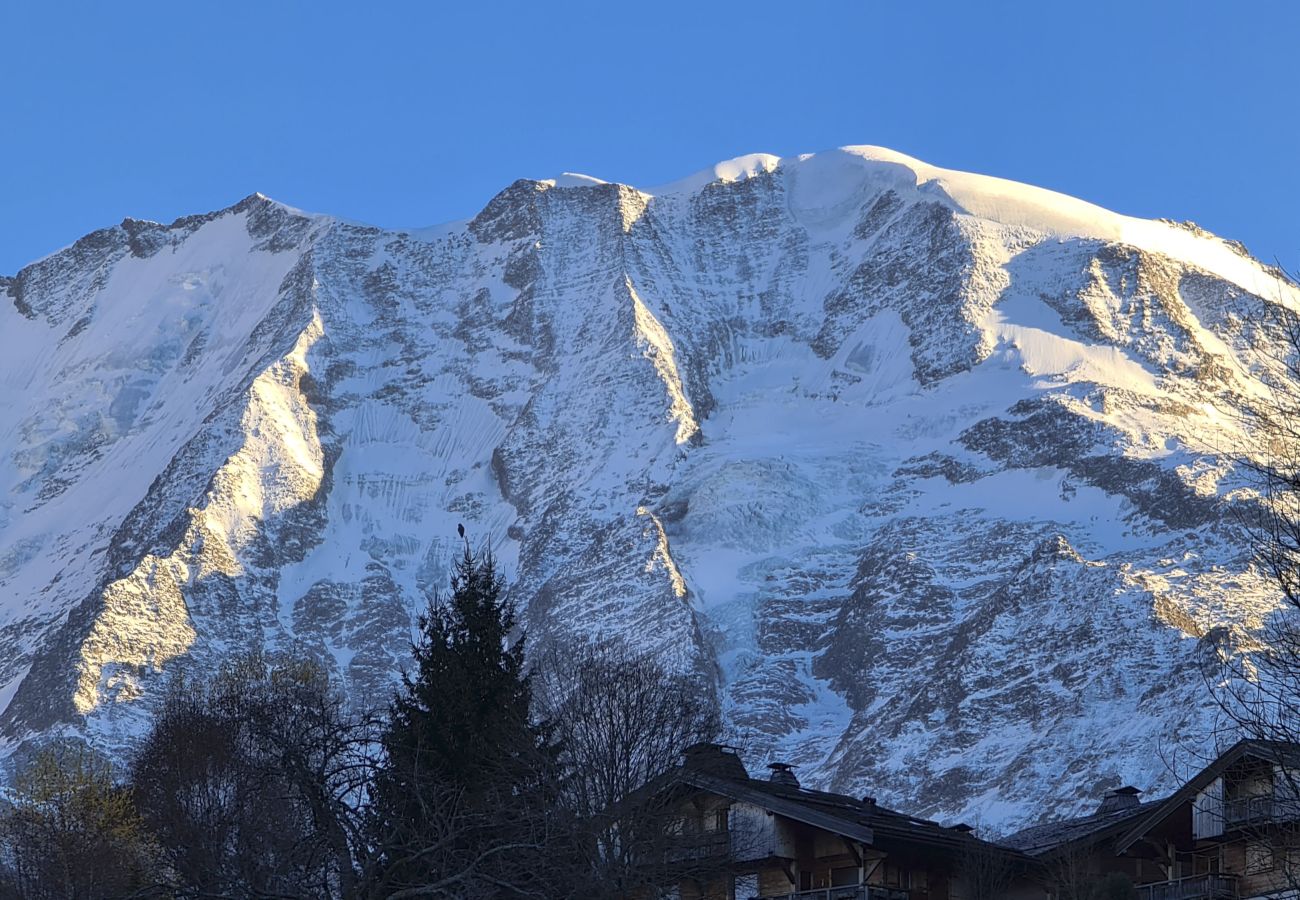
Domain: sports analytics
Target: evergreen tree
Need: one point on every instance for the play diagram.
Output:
(461, 802)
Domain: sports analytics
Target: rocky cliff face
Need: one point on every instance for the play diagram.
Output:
(926, 470)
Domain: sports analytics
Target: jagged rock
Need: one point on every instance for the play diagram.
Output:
(920, 469)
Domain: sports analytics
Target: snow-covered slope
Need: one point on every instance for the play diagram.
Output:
(923, 467)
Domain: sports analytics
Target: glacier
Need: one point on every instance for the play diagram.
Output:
(929, 473)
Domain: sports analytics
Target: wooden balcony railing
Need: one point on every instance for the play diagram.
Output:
(701, 845)
(1249, 810)
(1195, 887)
(1245, 811)
(851, 892)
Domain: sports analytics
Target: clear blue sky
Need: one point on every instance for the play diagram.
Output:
(407, 114)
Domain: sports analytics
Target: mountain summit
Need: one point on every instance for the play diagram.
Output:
(927, 470)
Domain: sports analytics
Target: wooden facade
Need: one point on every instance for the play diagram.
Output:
(1232, 832)
(787, 843)
(1239, 822)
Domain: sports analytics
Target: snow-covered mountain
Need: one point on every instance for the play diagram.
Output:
(924, 467)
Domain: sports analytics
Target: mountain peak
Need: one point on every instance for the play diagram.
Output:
(829, 177)
(890, 456)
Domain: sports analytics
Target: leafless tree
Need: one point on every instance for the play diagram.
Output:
(1069, 871)
(253, 782)
(621, 718)
(1263, 670)
(1072, 872)
(987, 871)
(1255, 678)
(623, 722)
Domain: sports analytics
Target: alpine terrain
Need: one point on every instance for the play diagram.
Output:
(929, 472)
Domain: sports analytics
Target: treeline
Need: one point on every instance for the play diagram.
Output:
(482, 778)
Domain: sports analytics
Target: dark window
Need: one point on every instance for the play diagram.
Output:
(844, 876)
(1259, 858)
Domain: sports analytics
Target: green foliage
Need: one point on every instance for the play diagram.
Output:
(468, 782)
(465, 712)
(259, 781)
(71, 831)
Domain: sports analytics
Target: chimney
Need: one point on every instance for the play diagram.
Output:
(782, 773)
(1120, 798)
(714, 759)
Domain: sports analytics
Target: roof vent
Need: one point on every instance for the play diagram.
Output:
(1120, 798)
(783, 773)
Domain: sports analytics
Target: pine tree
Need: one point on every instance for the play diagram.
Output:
(462, 798)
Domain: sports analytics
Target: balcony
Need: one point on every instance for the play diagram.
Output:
(1195, 887)
(1242, 812)
(1249, 811)
(696, 847)
(850, 892)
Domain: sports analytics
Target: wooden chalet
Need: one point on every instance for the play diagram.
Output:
(780, 841)
(1230, 833)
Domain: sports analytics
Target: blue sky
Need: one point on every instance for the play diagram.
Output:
(408, 114)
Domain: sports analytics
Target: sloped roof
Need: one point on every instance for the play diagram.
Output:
(851, 817)
(838, 818)
(1271, 751)
(1040, 840)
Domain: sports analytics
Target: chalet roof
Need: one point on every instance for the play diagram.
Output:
(783, 800)
(1041, 840)
(1272, 751)
(855, 818)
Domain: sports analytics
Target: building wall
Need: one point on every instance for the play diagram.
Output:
(1207, 811)
(757, 834)
(772, 881)
(1265, 866)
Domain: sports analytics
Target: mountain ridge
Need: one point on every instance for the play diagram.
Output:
(921, 175)
(812, 431)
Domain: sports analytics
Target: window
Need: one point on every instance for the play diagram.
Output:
(895, 876)
(1259, 858)
(745, 887)
(720, 820)
(845, 876)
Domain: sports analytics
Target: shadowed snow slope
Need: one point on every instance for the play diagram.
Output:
(916, 465)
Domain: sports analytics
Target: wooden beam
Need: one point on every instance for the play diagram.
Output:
(853, 851)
